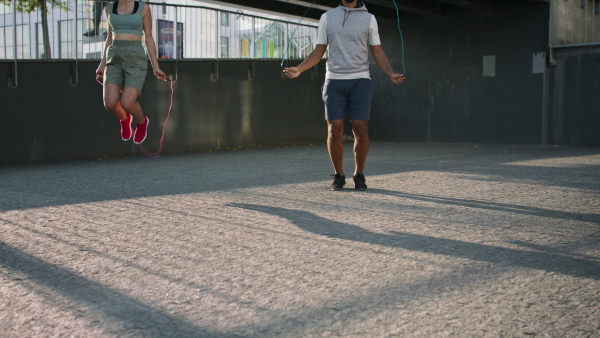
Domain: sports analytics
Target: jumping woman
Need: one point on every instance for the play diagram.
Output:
(124, 64)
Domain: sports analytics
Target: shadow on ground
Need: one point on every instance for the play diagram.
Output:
(564, 263)
(117, 307)
(51, 184)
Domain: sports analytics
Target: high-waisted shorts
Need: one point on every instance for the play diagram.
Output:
(126, 64)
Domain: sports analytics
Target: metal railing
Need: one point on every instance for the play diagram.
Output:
(78, 31)
(574, 23)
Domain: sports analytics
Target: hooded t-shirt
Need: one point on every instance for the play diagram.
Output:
(349, 32)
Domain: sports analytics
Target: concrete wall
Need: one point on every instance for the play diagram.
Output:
(47, 119)
(446, 96)
(574, 97)
(472, 76)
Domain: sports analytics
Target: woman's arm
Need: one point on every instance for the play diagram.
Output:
(150, 45)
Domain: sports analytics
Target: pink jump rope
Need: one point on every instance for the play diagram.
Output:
(142, 149)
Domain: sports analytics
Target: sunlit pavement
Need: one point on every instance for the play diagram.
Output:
(464, 240)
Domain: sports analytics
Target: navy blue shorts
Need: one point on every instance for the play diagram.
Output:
(347, 98)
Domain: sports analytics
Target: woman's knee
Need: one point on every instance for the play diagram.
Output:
(110, 105)
(128, 105)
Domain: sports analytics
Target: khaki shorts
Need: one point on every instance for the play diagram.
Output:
(126, 64)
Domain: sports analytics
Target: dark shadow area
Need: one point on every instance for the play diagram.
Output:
(154, 271)
(495, 206)
(546, 261)
(85, 181)
(132, 314)
(557, 251)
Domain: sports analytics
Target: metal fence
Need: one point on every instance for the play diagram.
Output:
(574, 23)
(78, 29)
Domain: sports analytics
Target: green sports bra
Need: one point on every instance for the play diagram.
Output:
(127, 23)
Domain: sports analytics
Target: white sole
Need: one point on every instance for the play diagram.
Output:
(144, 139)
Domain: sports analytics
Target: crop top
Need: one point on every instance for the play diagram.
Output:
(127, 23)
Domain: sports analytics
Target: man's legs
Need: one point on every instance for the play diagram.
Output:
(354, 97)
(335, 96)
(360, 113)
(335, 130)
(360, 128)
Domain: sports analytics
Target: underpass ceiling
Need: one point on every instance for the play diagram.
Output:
(382, 9)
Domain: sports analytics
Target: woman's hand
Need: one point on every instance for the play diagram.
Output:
(100, 72)
(160, 74)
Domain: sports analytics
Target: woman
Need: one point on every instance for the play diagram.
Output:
(124, 64)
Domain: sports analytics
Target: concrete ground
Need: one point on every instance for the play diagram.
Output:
(449, 240)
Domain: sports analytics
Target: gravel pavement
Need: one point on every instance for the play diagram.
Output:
(449, 240)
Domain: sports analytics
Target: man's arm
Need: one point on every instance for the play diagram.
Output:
(308, 63)
(383, 63)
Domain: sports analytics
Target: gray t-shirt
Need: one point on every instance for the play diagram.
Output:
(348, 32)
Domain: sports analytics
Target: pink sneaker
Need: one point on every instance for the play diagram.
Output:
(126, 128)
(141, 130)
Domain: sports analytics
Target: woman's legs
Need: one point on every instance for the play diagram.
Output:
(129, 103)
(131, 106)
(122, 104)
(112, 101)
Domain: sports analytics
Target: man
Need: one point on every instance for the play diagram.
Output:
(350, 31)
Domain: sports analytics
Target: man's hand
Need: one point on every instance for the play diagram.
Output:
(292, 72)
(397, 78)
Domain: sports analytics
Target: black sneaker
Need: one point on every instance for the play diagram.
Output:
(338, 182)
(359, 182)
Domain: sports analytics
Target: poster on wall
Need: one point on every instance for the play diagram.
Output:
(166, 40)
